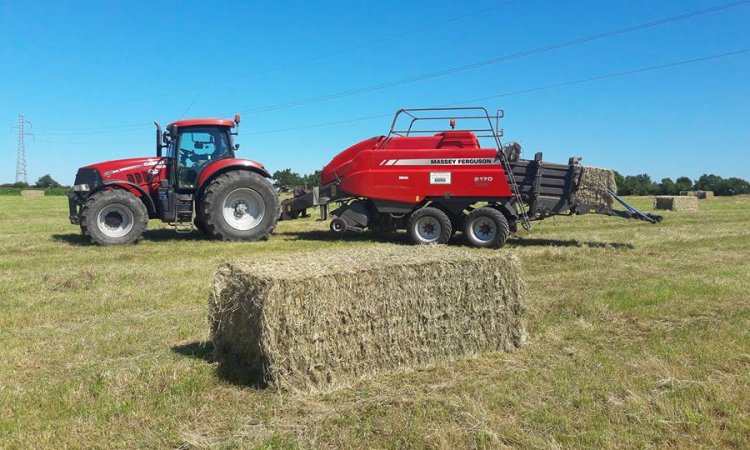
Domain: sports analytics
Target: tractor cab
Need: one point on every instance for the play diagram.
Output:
(194, 144)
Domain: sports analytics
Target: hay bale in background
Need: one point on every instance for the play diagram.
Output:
(699, 194)
(592, 190)
(32, 193)
(675, 203)
(323, 318)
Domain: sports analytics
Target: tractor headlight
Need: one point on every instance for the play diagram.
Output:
(81, 188)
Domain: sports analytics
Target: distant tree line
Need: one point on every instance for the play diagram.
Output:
(643, 185)
(44, 182)
(286, 180)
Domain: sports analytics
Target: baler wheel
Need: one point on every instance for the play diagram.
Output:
(240, 206)
(486, 227)
(338, 225)
(113, 217)
(429, 226)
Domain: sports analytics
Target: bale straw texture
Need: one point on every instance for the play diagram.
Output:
(32, 193)
(592, 190)
(322, 319)
(675, 203)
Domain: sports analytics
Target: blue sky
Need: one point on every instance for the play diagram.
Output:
(93, 76)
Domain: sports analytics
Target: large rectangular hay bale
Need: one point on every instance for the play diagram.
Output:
(592, 189)
(676, 203)
(32, 193)
(321, 319)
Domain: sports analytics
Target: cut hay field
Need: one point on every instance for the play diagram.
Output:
(639, 336)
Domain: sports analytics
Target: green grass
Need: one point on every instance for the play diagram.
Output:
(639, 337)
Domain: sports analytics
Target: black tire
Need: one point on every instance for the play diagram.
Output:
(486, 227)
(199, 225)
(338, 225)
(429, 226)
(253, 191)
(113, 217)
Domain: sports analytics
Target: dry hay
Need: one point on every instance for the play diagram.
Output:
(322, 319)
(592, 189)
(32, 193)
(699, 194)
(676, 203)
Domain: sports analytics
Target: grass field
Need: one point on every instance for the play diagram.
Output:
(639, 337)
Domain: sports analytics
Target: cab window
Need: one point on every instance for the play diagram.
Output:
(199, 146)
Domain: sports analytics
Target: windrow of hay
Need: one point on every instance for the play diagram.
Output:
(32, 193)
(675, 203)
(700, 194)
(321, 319)
(592, 189)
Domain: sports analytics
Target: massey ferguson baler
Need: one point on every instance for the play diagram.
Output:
(434, 182)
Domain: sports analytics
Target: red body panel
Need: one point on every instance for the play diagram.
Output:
(408, 169)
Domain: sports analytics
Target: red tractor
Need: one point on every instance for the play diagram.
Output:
(198, 183)
(433, 182)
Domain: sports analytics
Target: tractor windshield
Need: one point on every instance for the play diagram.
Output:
(196, 148)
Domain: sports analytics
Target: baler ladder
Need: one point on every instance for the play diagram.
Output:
(519, 206)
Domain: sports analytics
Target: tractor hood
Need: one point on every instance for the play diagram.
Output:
(119, 168)
(138, 171)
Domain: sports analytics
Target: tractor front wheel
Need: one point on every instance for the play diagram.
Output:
(240, 206)
(429, 226)
(113, 217)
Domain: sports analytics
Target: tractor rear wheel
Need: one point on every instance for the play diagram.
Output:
(486, 227)
(429, 226)
(240, 206)
(113, 217)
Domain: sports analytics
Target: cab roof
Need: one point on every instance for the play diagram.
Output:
(198, 122)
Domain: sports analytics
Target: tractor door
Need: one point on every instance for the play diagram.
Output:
(196, 148)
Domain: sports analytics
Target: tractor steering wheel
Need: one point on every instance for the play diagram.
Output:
(188, 155)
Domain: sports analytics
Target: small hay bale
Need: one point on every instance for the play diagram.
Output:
(592, 190)
(32, 193)
(322, 319)
(676, 203)
(703, 195)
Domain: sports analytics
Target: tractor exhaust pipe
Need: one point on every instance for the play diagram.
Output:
(159, 144)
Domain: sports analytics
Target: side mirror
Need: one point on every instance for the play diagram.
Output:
(236, 147)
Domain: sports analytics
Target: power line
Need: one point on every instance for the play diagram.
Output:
(524, 91)
(476, 99)
(496, 60)
(292, 64)
(604, 77)
(457, 69)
